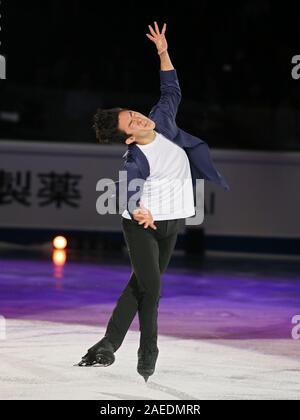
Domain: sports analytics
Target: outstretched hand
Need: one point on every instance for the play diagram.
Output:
(158, 38)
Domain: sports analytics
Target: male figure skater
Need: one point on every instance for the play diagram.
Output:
(160, 154)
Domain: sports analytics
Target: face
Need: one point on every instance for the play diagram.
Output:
(135, 124)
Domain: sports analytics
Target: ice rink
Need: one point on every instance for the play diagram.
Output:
(225, 330)
(37, 363)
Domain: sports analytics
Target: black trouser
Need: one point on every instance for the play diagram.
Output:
(150, 252)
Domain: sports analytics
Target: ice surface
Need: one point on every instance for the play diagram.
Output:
(37, 357)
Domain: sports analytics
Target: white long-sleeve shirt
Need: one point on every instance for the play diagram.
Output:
(168, 190)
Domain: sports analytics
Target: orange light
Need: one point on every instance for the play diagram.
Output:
(59, 257)
(59, 242)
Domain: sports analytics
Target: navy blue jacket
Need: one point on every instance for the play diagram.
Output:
(164, 115)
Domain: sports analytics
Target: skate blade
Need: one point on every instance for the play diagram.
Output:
(94, 364)
(84, 364)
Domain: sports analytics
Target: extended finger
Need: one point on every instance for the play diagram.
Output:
(164, 29)
(156, 28)
(153, 226)
(150, 37)
(152, 30)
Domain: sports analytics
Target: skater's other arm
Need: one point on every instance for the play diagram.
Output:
(169, 84)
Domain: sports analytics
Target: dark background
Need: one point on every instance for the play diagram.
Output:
(66, 58)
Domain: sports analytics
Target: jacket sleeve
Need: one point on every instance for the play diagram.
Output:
(133, 172)
(170, 93)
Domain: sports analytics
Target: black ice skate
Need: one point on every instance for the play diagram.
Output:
(146, 361)
(101, 354)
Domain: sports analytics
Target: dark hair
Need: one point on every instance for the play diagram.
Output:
(106, 123)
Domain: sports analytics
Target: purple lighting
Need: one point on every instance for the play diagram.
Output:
(195, 303)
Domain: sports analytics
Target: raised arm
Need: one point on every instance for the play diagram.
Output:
(169, 84)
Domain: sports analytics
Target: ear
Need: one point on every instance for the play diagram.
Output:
(130, 140)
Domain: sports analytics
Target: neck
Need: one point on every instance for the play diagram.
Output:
(147, 139)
